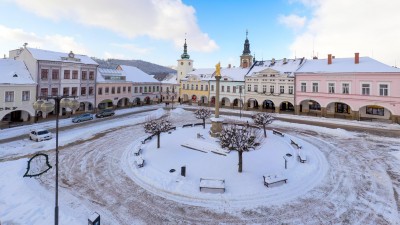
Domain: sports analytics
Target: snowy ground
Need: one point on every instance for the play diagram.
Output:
(360, 185)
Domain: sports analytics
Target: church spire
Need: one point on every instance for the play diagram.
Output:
(246, 49)
(185, 55)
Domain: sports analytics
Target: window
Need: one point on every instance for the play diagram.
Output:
(314, 87)
(341, 108)
(9, 96)
(100, 91)
(365, 89)
(272, 89)
(264, 88)
(83, 91)
(44, 74)
(234, 89)
(282, 89)
(228, 88)
(290, 90)
(206, 87)
(331, 88)
(55, 74)
(197, 87)
(44, 92)
(140, 89)
(75, 74)
(345, 88)
(106, 90)
(192, 86)
(212, 87)
(154, 88)
(303, 87)
(91, 90)
(84, 75)
(74, 91)
(383, 90)
(375, 110)
(129, 89)
(67, 74)
(136, 90)
(240, 89)
(201, 87)
(187, 86)
(112, 90)
(255, 88)
(118, 90)
(145, 89)
(123, 89)
(222, 88)
(54, 91)
(158, 88)
(91, 75)
(249, 87)
(66, 91)
(26, 95)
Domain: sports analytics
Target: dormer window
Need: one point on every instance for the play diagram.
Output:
(15, 75)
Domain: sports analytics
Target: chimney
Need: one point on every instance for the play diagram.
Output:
(229, 65)
(329, 59)
(333, 57)
(356, 58)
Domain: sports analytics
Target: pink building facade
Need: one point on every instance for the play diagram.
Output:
(358, 88)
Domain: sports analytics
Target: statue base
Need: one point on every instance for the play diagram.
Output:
(216, 126)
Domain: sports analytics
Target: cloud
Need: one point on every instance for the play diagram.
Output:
(342, 27)
(158, 19)
(17, 37)
(133, 48)
(292, 21)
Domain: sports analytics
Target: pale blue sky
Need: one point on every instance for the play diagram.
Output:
(154, 30)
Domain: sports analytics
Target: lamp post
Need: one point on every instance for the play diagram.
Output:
(48, 107)
(240, 99)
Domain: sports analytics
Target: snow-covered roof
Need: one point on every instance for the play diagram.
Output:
(40, 54)
(14, 72)
(170, 79)
(345, 65)
(284, 66)
(103, 72)
(136, 75)
(234, 73)
(203, 74)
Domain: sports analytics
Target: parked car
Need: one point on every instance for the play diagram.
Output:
(82, 117)
(105, 112)
(40, 135)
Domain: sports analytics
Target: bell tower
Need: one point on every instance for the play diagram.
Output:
(185, 64)
(246, 59)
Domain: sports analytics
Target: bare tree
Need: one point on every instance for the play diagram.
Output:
(203, 113)
(240, 139)
(263, 119)
(155, 127)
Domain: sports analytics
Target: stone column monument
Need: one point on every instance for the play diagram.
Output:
(216, 122)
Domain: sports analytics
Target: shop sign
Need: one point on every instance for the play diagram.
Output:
(8, 108)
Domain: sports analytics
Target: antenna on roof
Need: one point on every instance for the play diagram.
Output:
(295, 54)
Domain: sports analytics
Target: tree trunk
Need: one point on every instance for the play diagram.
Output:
(240, 161)
(204, 123)
(158, 139)
(265, 132)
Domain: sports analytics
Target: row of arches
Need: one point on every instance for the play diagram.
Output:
(123, 102)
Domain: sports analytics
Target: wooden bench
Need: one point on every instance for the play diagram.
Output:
(187, 125)
(148, 138)
(172, 128)
(198, 124)
(137, 150)
(302, 157)
(139, 161)
(295, 144)
(272, 179)
(278, 133)
(212, 185)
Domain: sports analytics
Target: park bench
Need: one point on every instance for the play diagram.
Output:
(302, 157)
(198, 124)
(171, 128)
(139, 161)
(212, 185)
(295, 144)
(278, 133)
(148, 138)
(137, 150)
(187, 125)
(272, 179)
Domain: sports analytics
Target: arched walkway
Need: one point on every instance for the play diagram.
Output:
(86, 106)
(225, 102)
(237, 103)
(268, 105)
(286, 107)
(203, 99)
(17, 116)
(147, 100)
(123, 102)
(374, 112)
(105, 104)
(252, 103)
(310, 107)
(339, 110)
(194, 98)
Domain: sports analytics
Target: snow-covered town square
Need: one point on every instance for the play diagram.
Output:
(348, 177)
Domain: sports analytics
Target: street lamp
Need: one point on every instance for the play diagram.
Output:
(287, 155)
(47, 107)
(240, 99)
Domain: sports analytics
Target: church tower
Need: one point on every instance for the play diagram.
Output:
(185, 64)
(246, 59)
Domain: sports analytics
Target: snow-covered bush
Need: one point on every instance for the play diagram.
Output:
(155, 127)
(203, 113)
(263, 119)
(238, 138)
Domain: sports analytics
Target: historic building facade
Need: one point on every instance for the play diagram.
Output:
(358, 88)
(58, 73)
(18, 92)
(170, 89)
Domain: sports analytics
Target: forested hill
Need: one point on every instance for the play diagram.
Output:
(150, 68)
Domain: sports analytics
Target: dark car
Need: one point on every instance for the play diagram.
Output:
(105, 112)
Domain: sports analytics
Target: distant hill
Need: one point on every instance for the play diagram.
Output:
(159, 72)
